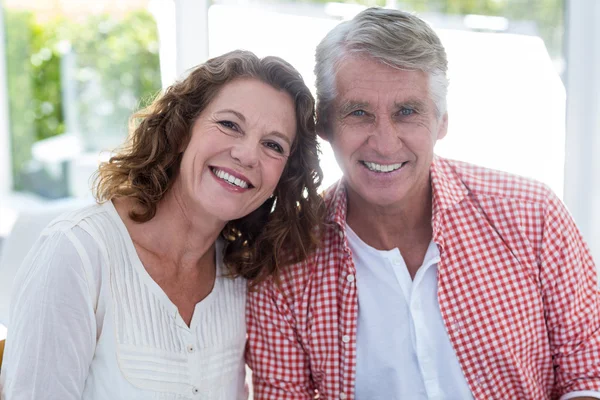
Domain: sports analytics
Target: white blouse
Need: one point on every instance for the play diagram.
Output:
(88, 322)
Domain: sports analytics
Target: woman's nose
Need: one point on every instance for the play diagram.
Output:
(246, 153)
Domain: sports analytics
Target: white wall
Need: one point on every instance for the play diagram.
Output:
(582, 161)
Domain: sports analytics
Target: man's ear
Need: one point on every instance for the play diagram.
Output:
(443, 128)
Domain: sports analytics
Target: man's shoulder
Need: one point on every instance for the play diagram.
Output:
(320, 265)
(483, 182)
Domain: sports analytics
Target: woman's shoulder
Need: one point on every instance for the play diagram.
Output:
(95, 225)
(77, 217)
(83, 236)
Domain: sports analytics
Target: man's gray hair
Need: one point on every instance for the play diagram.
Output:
(395, 38)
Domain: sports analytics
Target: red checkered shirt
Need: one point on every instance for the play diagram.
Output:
(517, 289)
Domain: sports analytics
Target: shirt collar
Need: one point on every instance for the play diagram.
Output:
(447, 191)
(336, 200)
(446, 186)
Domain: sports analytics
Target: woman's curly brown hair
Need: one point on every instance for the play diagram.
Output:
(285, 228)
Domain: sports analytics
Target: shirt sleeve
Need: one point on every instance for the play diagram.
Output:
(581, 393)
(572, 302)
(280, 366)
(52, 331)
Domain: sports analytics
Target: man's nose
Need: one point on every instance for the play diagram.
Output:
(385, 137)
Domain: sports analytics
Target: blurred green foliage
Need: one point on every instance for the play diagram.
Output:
(114, 69)
(20, 88)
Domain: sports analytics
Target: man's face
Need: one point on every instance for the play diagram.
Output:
(384, 127)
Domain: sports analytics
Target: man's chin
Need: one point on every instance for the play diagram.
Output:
(376, 198)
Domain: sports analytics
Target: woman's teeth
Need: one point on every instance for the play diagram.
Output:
(230, 178)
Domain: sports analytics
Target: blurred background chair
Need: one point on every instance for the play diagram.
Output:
(1, 351)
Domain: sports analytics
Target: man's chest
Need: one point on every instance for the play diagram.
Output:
(490, 310)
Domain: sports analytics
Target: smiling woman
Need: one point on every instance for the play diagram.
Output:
(143, 295)
(145, 171)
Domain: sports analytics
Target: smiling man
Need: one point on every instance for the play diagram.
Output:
(435, 279)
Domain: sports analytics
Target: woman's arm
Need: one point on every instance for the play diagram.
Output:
(52, 330)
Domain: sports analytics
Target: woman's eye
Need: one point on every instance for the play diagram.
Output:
(406, 111)
(228, 124)
(358, 113)
(274, 146)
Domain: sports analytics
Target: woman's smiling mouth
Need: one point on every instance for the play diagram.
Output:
(231, 179)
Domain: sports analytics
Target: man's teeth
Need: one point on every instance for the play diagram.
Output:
(382, 168)
(230, 179)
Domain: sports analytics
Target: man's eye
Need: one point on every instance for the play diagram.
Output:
(228, 124)
(358, 113)
(407, 111)
(274, 146)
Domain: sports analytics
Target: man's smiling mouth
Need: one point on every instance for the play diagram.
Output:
(371, 166)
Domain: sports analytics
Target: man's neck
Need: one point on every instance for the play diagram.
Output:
(403, 226)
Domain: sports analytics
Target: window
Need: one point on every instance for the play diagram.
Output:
(75, 73)
(506, 99)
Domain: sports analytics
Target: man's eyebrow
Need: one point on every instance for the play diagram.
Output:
(416, 104)
(350, 106)
(236, 113)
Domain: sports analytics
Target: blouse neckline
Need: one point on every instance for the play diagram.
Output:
(154, 287)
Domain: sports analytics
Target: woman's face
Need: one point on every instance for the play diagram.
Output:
(238, 149)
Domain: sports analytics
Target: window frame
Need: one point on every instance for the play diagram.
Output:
(188, 46)
(582, 81)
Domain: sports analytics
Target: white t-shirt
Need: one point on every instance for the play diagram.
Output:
(88, 322)
(403, 350)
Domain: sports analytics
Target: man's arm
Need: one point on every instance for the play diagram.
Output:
(572, 304)
(280, 366)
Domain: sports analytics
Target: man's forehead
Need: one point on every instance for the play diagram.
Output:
(370, 95)
(354, 81)
(360, 66)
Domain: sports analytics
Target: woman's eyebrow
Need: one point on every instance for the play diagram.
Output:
(236, 113)
(282, 137)
(243, 119)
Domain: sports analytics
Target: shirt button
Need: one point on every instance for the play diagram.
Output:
(190, 349)
(341, 234)
(479, 380)
(195, 390)
(343, 395)
(456, 325)
(345, 338)
(350, 278)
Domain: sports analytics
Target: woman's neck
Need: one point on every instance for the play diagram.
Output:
(175, 234)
